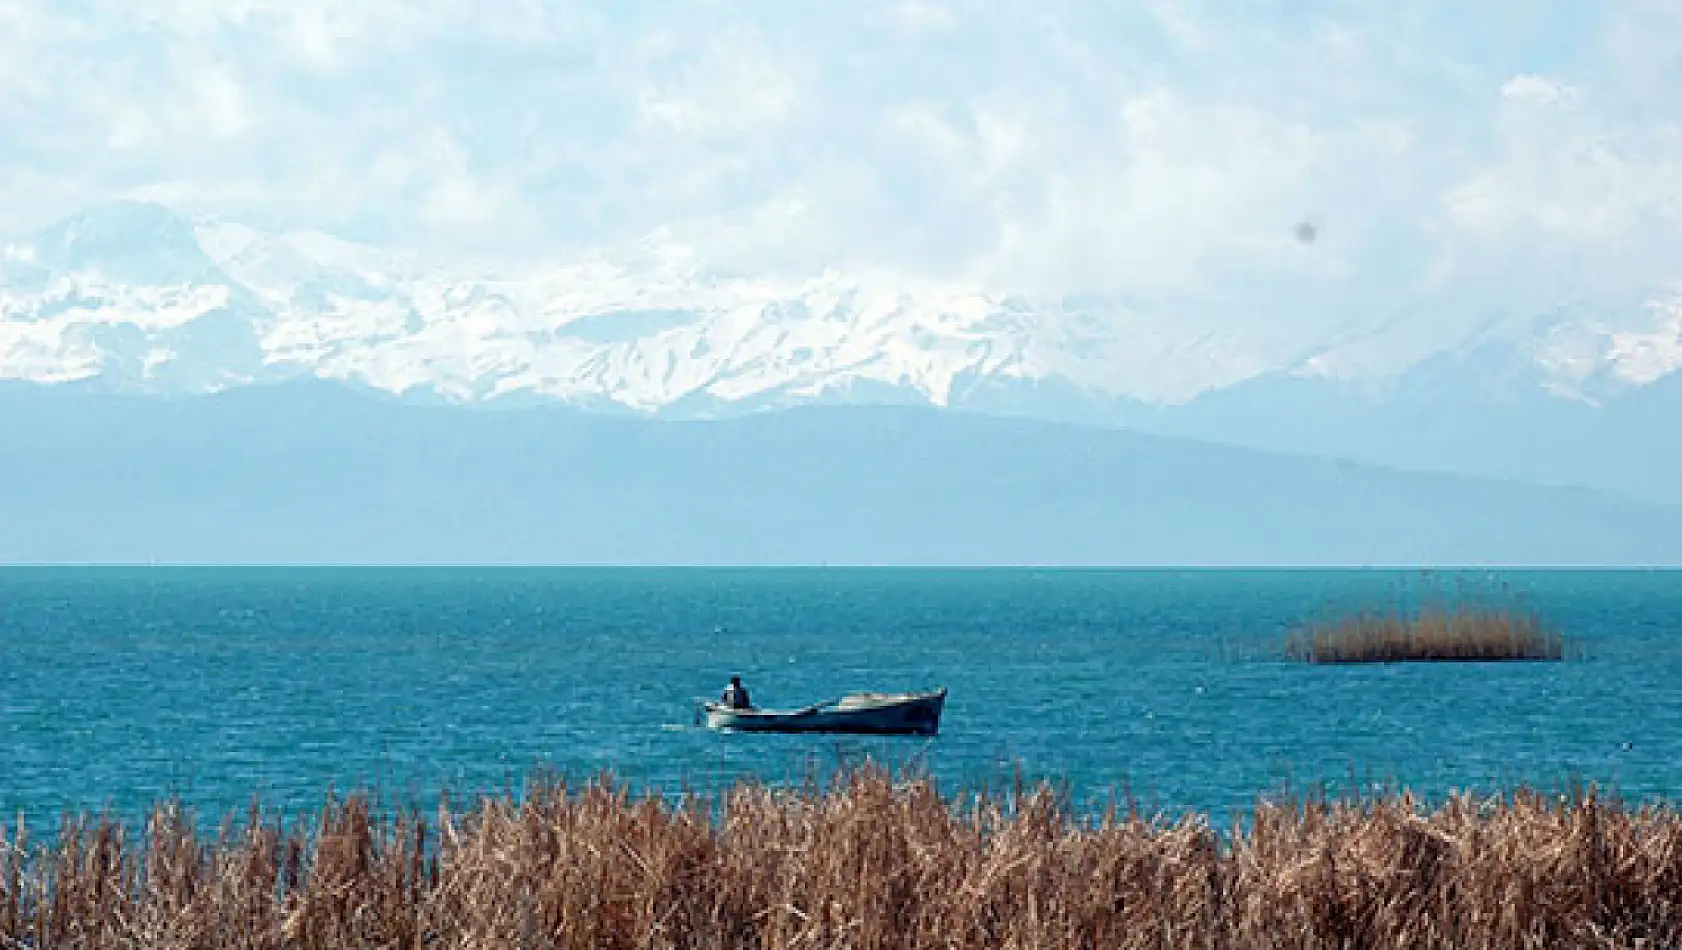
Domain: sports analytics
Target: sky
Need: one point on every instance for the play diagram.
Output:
(1506, 153)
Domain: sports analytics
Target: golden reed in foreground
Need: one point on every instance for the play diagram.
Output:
(1433, 635)
(872, 864)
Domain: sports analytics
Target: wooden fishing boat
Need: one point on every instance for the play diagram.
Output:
(916, 714)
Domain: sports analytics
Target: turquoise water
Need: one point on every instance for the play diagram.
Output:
(118, 687)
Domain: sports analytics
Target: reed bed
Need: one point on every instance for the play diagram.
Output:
(1463, 634)
(873, 863)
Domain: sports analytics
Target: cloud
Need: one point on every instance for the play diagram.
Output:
(1579, 197)
(922, 15)
(1155, 149)
(1537, 90)
(732, 86)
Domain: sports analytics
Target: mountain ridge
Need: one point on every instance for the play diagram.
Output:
(134, 297)
(310, 472)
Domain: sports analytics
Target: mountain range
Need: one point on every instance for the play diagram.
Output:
(312, 472)
(133, 298)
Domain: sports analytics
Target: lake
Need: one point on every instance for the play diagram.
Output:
(120, 686)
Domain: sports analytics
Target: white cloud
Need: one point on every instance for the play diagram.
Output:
(1157, 149)
(1579, 197)
(921, 15)
(1538, 90)
(733, 87)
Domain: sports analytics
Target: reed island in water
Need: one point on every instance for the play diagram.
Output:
(1431, 635)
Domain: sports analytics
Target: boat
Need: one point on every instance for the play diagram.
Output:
(914, 714)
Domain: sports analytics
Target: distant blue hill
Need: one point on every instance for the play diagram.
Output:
(1430, 419)
(314, 472)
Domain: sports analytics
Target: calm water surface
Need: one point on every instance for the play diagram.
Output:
(118, 687)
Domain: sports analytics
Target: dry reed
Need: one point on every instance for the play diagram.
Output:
(1464, 634)
(871, 864)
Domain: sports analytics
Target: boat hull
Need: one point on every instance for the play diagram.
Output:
(915, 714)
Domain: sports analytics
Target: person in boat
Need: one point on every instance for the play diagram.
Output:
(736, 695)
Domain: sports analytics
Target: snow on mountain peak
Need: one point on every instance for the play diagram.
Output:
(1643, 358)
(141, 297)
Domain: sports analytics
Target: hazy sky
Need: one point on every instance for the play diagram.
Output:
(1145, 148)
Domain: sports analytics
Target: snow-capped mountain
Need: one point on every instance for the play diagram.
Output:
(132, 296)
(135, 296)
